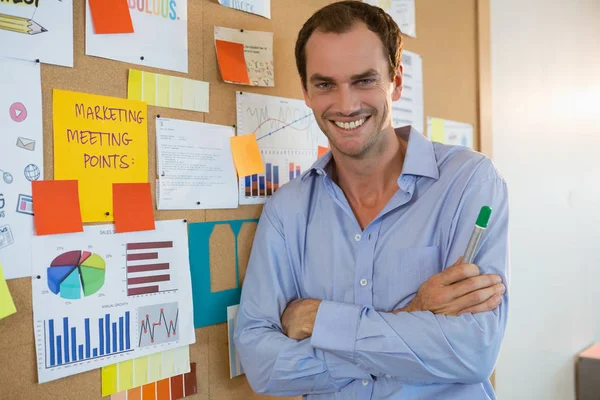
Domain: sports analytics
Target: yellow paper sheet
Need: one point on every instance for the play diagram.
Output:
(146, 369)
(168, 91)
(246, 155)
(99, 141)
(7, 306)
(437, 130)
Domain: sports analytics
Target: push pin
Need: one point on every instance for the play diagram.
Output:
(37, 60)
(107, 214)
(39, 277)
(142, 58)
(185, 221)
(241, 30)
(157, 116)
(198, 203)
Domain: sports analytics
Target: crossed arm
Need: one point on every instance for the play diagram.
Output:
(450, 332)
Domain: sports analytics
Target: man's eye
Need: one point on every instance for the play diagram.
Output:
(366, 81)
(324, 85)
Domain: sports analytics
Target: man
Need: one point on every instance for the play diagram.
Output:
(354, 288)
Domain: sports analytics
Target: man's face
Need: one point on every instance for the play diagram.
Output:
(349, 89)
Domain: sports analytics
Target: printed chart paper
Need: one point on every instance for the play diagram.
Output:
(159, 39)
(245, 57)
(401, 11)
(288, 137)
(194, 165)
(450, 132)
(258, 7)
(104, 297)
(168, 91)
(409, 110)
(21, 161)
(99, 141)
(37, 30)
(146, 369)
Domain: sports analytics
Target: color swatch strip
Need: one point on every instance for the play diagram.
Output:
(143, 370)
(168, 91)
(176, 387)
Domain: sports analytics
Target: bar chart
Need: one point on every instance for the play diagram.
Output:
(68, 343)
(148, 268)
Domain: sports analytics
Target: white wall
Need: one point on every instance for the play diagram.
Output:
(545, 57)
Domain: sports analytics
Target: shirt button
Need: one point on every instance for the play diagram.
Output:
(357, 237)
(363, 282)
(365, 382)
(319, 172)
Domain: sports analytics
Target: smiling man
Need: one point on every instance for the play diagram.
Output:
(355, 287)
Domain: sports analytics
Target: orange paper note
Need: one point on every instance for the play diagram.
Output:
(322, 150)
(111, 16)
(132, 206)
(56, 207)
(246, 155)
(232, 61)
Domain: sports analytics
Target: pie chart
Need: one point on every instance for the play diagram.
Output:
(75, 274)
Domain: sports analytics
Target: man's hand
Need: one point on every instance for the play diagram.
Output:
(459, 289)
(298, 319)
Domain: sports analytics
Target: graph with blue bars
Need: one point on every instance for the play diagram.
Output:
(70, 341)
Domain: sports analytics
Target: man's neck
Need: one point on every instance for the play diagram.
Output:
(367, 180)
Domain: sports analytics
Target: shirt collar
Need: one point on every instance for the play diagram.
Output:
(419, 160)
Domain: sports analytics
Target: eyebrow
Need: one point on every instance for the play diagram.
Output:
(370, 73)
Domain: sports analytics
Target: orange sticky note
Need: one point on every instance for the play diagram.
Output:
(246, 155)
(322, 150)
(56, 207)
(132, 206)
(232, 61)
(134, 394)
(111, 16)
(163, 390)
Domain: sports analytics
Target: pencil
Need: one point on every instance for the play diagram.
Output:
(20, 25)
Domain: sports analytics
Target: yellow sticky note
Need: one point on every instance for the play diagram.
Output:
(7, 305)
(149, 90)
(176, 92)
(140, 365)
(99, 141)
(134, 86)
(167, 363)
(125, 375)
(155, 372)
(246, 155)
(437, 130)
(164, 91)
(109, 380)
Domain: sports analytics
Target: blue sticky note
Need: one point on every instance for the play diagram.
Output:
(211, 308)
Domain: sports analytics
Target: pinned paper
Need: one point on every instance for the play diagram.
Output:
(258, 7)
(99, 141)
(245, 57)
(168, 91)
(56, 207)
(321, 151)
(450, 132)
(140, 371)
(111, 16)
(7, 305)
(132, 205)
(246, 155)
(176, 387)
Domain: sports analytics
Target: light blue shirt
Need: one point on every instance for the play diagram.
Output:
(308, 244)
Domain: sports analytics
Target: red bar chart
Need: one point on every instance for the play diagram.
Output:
(148, 268)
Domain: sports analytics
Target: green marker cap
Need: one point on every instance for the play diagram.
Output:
(484, 217)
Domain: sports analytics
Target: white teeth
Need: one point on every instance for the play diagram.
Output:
(350, 125)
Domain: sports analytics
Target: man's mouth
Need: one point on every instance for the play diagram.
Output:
(350, 125)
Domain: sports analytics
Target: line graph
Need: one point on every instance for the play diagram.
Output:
(158, 324)
(288, 137)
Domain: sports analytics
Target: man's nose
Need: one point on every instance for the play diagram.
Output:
(348, 100)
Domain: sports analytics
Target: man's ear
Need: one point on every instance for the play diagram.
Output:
(305, 93)
(398, 83)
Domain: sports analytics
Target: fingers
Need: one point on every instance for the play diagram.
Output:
(474, 283)
(490, 304)
(477, 297)
(458, 272)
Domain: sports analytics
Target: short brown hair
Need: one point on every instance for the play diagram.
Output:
(339, 18)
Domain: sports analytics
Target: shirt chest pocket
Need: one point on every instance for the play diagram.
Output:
(398, 275)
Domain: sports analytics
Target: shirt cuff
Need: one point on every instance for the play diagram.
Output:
(343, 369)
(335, 327)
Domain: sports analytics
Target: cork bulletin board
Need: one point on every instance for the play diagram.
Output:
(448, 39)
